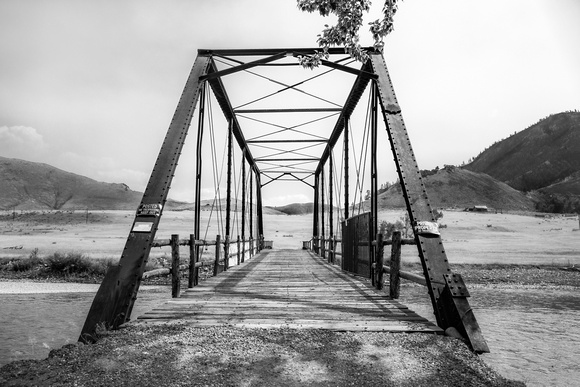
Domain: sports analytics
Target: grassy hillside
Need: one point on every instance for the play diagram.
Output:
(35, 186)
(537, 157)
(295, 208)
(459, 188)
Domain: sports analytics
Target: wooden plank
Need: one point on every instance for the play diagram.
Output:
(290, 289)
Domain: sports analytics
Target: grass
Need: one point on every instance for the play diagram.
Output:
(58, 264)
(72, 266)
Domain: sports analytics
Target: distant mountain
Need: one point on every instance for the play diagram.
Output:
(453, 187)
(236, 206)
(540, 156)
(450, 187)
(26, 185)
(295, 208)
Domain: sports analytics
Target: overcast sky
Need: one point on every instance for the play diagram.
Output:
(91, 86)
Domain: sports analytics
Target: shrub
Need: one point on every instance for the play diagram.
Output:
(75, 263)
(22, 264)
(25, 264)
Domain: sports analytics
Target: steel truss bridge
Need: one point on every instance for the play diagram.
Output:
(288, 123)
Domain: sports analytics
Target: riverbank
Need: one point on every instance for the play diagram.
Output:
(473, 274)
(162, 354)
(176, 354)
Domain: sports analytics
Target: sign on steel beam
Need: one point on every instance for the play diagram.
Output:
(114, 300)
(451, 309)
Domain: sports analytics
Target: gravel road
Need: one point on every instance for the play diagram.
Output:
(175, 354)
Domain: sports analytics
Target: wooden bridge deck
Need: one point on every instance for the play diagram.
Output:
(294, 289)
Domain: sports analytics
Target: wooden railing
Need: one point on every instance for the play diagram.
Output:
(327, 249)
(393, 268)
(220, 261)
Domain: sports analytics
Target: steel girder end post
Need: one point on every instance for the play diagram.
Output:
(457, 313)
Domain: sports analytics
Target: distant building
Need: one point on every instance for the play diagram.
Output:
(477, 209)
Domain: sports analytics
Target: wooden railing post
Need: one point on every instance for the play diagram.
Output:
(395, 280)
(379, 251)
(323, 249)
(193, 258)
(261, 243)
(227, 253)
(334, 249)
(239, 252)
(175, 283)
(244, 250)
(217, 255)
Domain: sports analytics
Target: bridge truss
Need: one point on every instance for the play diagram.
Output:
(287, 130)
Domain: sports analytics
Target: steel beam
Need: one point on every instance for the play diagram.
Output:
(229, 181)
(374, 180)
(346, 185)
(295, 110)
(288, 172)
(313, 159)
(272, 51)
(251, 225)
(193, 277)
(284, 141)
(315, 214)
(450, 310)
(114, 300)
(322, 233)
(243, 198)
(331, 201)
(259, 210)
(244, 66)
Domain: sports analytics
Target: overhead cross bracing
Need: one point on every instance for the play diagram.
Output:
(286, 116)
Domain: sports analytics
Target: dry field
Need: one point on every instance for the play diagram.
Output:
(468, 237)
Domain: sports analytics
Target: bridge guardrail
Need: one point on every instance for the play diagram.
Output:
(220, 260)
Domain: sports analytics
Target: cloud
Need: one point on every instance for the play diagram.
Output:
(21, 141)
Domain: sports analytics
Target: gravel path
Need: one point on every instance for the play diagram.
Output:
(178, 355)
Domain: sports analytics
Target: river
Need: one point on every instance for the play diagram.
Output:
(533, 334)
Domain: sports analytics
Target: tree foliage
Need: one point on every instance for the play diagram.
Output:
(345, 33)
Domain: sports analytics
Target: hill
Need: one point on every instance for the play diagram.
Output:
(544, 154)
(561, 197)
(236, 206)
(461, 188)
(35, 186)
(295, 208)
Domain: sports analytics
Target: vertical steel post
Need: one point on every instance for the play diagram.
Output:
(193, 273)
(251, 225)
(346, 188)
(229, 180)
(330, 204)
(315, 215)
(243, 200)
(322, 233)
(374, 189)
(374, 179)
(260, 212)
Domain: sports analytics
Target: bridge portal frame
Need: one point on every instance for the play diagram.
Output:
(114, 301)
